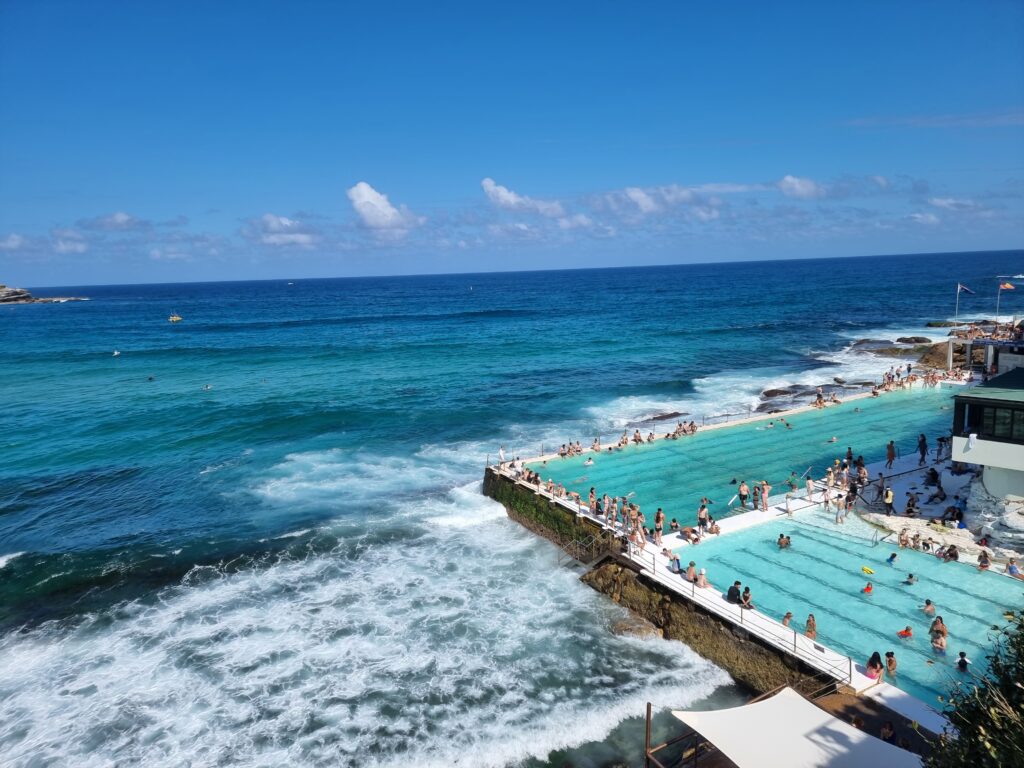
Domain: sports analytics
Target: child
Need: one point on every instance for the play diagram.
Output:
(963, 662)
(905, 634)
(868, 589)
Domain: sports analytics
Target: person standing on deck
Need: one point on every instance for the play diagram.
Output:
(890, 454)
(922, 448)
(702, 518)
(765, 490)
(810, 489)
(879, 487)
(887, 498)
(743, 492)
(757, 496)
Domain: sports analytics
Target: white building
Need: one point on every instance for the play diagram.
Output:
(988, 429)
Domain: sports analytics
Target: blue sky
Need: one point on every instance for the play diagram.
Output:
(149, 142)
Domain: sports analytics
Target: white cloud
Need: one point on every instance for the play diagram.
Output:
(12, 242)
(69, 241)
(377, 212)
(641, 199)
(159, 254)
(503, 197)
(799, 187)
(928, 219)
(953, 204)
(280, 231)
(881, 181)
(575, 221)
(118, 221)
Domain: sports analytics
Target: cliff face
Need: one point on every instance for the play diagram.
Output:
(9, 295)
(21, 296)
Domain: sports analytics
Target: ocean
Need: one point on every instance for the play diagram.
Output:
(256, 537)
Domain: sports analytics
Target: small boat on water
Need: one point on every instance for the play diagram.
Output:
(175, 318)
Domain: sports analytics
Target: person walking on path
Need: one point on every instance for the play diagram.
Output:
(890, 454)
(922, 448)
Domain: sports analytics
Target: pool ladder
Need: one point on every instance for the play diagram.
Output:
(876, 540)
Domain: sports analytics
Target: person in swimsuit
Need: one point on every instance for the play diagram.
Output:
(890, 454)
(659, 526)
(757, 496)
(922, 448)
(875, 666)
(691, 572)
(787, 618)
(811, 627)
(765, 491)
(702, 579)
(928, 608)
(743, 492)
(746, 599)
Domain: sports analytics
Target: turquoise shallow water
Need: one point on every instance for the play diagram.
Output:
(295, 566)
(821, 574)
(675, 474)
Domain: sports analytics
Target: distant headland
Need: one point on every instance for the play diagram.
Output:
(21, 296)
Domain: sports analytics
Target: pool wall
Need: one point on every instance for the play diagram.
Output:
(752, 663)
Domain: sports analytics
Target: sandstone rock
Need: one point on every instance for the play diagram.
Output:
(913, 340)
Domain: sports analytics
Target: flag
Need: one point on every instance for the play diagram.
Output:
(1006, 287)
(962, 287)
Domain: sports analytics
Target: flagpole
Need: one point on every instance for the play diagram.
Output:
(999, 295)
(956, 313)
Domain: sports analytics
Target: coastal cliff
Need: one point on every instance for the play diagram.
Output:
(21, 296)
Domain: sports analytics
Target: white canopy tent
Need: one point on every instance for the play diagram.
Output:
(788, 731)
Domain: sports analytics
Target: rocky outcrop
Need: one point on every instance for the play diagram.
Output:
(913, 340)
(21, 296)
(742, 656)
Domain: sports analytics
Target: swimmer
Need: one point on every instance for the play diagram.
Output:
(834, 439)
(891, 559)
(589, 462)
(906, 633)
(868, 589)
(911, 579)
(963, 662)
(890, 663)
(928, 608)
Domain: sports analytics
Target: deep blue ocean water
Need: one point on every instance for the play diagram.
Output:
(256, 536)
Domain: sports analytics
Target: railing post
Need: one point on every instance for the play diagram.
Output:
(647, 738)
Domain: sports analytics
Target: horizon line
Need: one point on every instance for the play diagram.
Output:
(533, 271)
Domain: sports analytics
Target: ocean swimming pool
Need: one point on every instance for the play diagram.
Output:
(674, 474)
(821, 574)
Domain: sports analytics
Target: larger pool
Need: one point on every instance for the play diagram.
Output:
(821, 573)
(674, 474)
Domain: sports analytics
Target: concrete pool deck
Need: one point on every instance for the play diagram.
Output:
(653, 565)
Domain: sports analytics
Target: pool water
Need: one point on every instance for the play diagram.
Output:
(674, 474)
(821, 574)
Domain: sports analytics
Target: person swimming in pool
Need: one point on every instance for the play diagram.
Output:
(928, 608)
(906, 633)
(868, 589)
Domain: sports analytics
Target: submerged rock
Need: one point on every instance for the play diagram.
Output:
(635, 626)
(913, 340)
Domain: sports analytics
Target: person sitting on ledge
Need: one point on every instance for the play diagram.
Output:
(690, 535)
(691, 572)
(702, 579)
(713, 526)
(931, 477)
(733, 595)
(939, 495)
(746, 599)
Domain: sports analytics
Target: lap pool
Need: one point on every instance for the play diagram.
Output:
(821, 574)
(674, 474)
